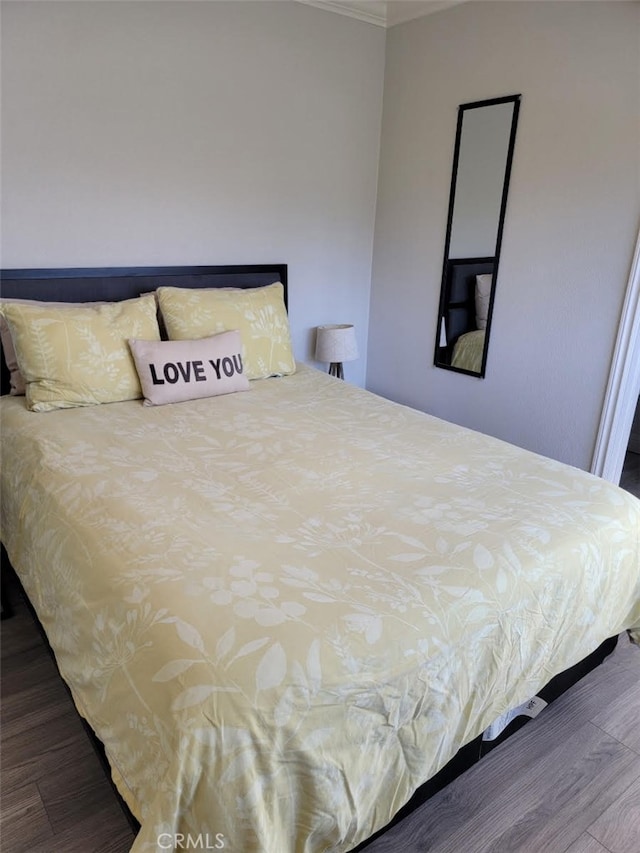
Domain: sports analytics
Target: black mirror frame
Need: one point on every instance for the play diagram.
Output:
(515, 99)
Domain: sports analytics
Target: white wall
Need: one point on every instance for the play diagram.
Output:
(196, 133)
(571, 223)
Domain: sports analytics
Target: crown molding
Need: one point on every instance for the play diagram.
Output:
(399, 11)
(382, 14)
(371, 11)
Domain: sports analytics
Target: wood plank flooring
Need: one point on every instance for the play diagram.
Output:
(568, 782)
(55, 797)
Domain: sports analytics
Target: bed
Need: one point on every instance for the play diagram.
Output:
(468, 351)
(465, 311)
(284, 611)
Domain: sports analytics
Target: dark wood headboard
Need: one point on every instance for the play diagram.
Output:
(112, 284)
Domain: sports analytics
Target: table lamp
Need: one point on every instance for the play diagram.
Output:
(336, 344)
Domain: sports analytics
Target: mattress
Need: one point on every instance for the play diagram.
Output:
(283, 610)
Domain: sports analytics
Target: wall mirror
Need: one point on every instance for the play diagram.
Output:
(485, 138)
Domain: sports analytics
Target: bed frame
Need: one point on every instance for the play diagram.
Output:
(112, 284)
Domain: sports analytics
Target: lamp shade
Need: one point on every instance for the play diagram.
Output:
(336, 343)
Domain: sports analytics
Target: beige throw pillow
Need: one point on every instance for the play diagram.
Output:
(484, 284)
(175, 371)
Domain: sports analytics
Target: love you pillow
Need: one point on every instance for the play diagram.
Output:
(175, 371)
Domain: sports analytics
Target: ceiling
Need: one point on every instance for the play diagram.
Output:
(381, 13)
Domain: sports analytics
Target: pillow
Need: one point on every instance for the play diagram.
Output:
(77, 355)
(174, 371)
(483, 297)
(258, 313)
(17, 383)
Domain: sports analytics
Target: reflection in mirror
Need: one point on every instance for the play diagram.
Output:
(482, 158)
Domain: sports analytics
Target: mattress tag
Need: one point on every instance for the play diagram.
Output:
(530, 708)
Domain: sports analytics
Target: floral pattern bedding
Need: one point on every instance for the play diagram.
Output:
(283, 610)
(468, 351)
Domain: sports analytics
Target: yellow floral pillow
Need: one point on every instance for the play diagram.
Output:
(79, 355)
(259, 314)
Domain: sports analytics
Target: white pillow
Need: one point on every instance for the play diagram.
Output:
(483, 297)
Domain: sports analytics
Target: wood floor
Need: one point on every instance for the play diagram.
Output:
(568, 781)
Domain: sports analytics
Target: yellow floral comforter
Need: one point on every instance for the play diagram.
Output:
(468, 351)
(284, 610)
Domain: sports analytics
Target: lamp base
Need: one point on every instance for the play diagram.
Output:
(335, 369)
